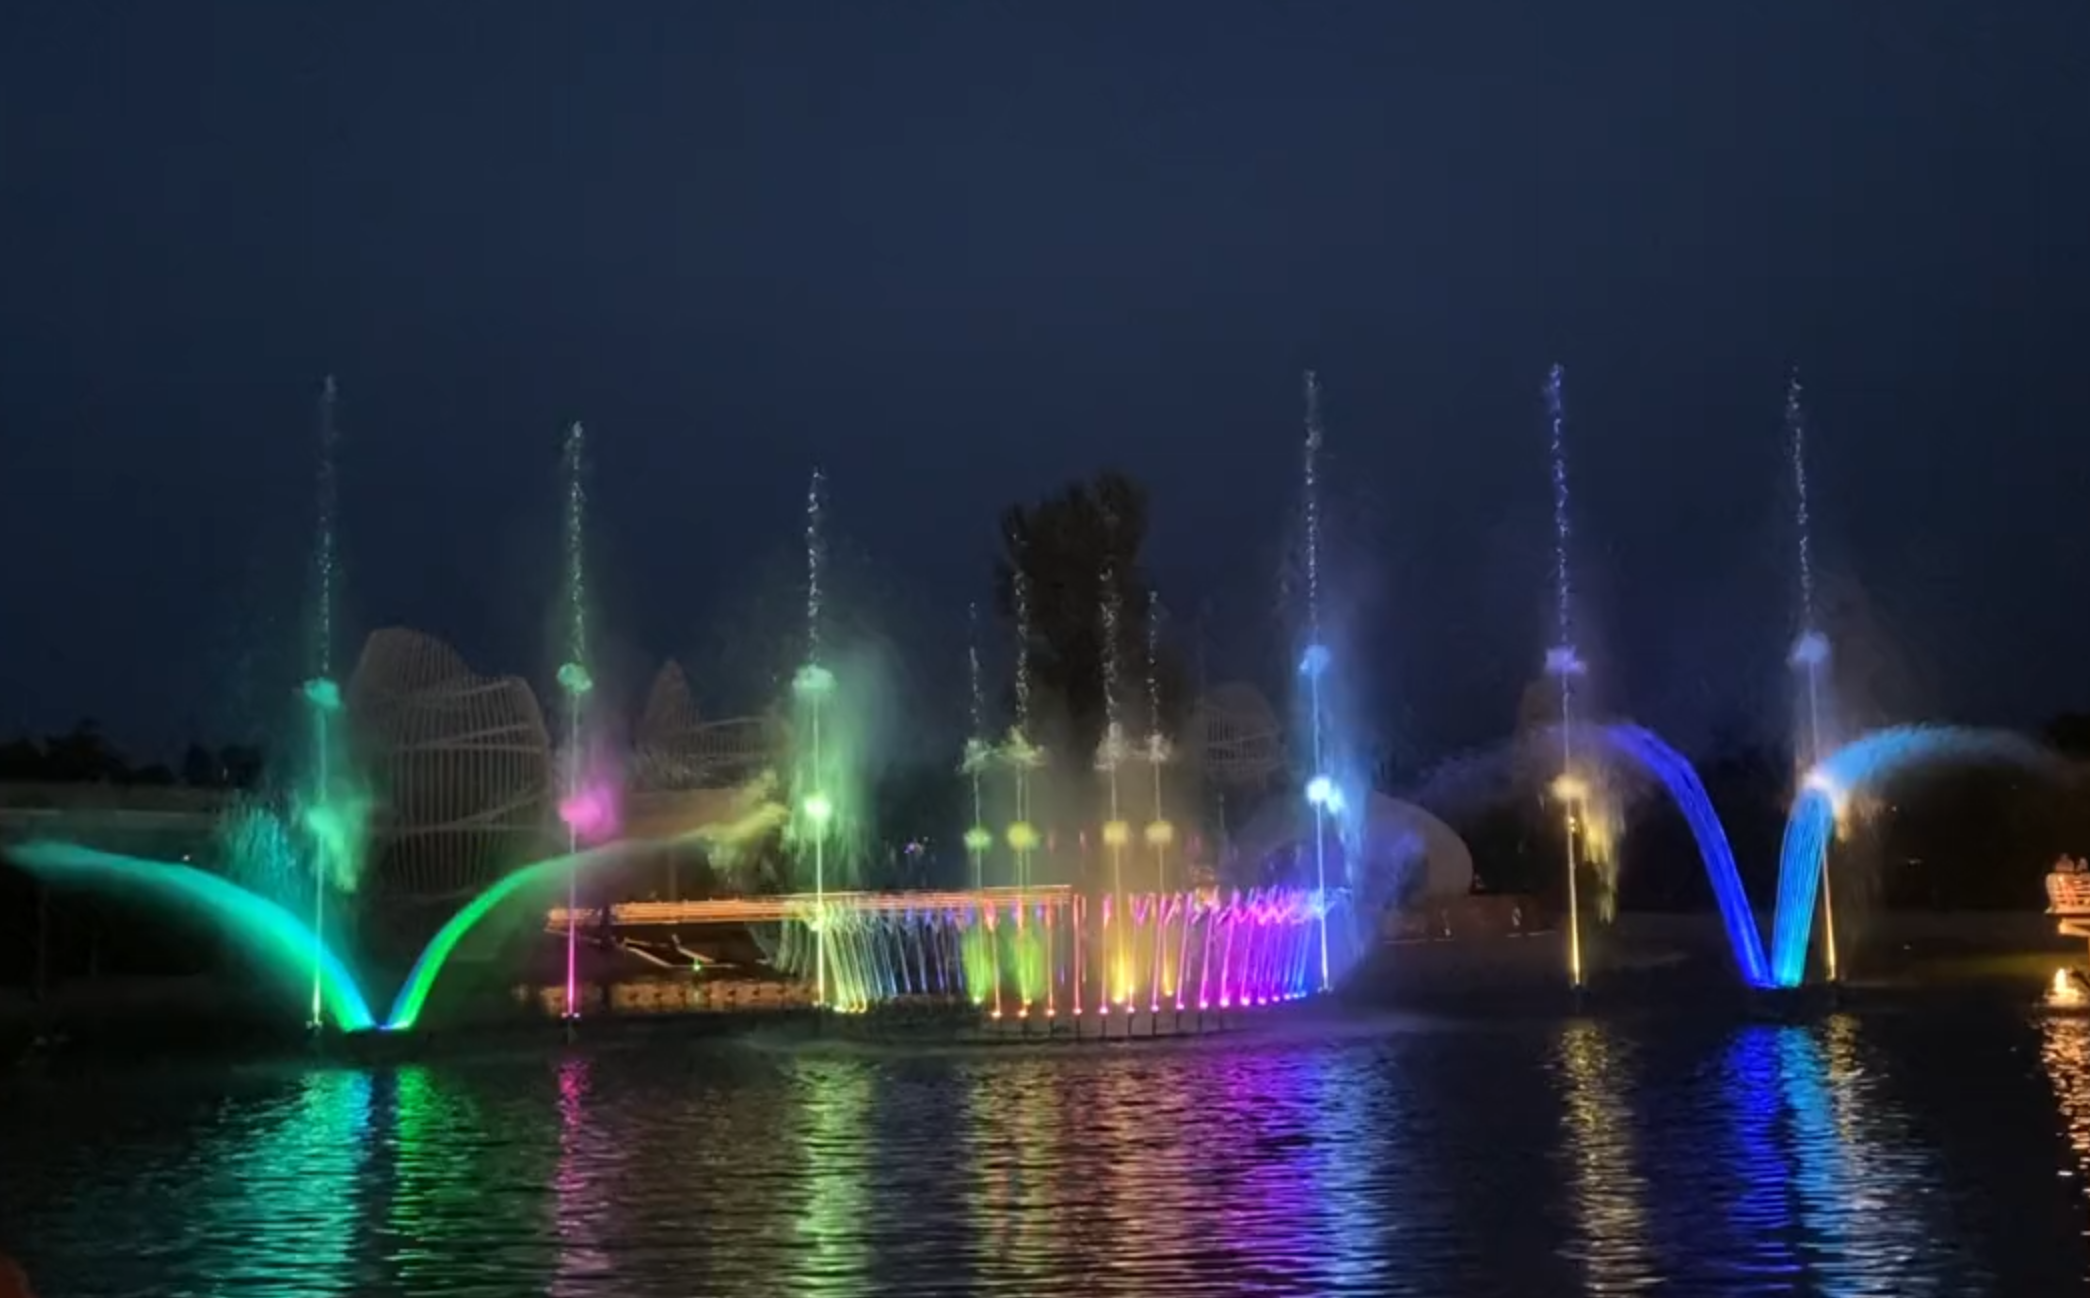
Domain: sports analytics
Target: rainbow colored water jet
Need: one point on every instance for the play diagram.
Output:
(1053, 952)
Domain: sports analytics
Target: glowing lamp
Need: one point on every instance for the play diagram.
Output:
(1022, 837)
(818, 809)
(326, 823)
(978, 839)
(813, 681)
(1160, 834)
(1562, 660)
(1810, 650)
(1570, 788)
(323, 694)
(1820, 781)
(589, 814)
(1116, 833)
(1315, 660)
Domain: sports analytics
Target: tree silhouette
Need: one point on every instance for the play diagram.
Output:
(199, 768)
(83, 756)
(1065, 545)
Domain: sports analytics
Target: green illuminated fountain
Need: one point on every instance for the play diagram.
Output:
(813, 791)
(1024, 758)
(331, 809)
(981, 952)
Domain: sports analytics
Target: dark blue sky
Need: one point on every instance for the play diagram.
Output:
(960, 252)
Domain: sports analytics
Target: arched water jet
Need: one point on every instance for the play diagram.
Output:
(1674, 771)
(1825, 796)
(420, 980)
(288, 946)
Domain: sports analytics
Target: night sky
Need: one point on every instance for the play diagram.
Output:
(960, 253)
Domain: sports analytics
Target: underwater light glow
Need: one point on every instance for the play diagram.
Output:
(979, 838)
(1562, 660)
(591, 813)
(1810, 650)
(1320, 790)
(1116, 833)
(323, 694)
(1023, 836)
(574, 678)
(1315, 660)
(813, 680)
(818, 809)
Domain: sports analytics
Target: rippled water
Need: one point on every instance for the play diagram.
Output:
(1897, 1154)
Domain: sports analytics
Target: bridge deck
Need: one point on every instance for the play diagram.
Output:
(760, 910)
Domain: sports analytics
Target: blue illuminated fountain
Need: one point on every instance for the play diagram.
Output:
(1323, 793)
(1825, 801)
(1648, 751)
(1810, 651)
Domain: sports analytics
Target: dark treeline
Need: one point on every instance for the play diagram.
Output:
(84, 755)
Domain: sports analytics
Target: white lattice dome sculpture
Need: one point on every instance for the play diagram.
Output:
(1407, 853)
(677, 749)
(460, 763)
(1237, 736)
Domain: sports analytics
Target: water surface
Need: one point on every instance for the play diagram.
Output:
(1901, 1153)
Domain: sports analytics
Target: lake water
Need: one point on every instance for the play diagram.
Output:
(1927, 1150)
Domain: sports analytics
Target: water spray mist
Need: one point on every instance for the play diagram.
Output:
(575, 682)
(1564, 665)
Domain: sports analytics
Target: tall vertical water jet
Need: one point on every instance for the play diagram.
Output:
(1810, 651)
(1321, 790)
(1159, 832)
(1020, 751)
(813, 687)
(978, 751)
(1565, 665)
(329, 820)
(1023, 757)
(575, 682)
(1110, 755)
(980, 955)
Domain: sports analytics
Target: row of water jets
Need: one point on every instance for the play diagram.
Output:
(333, 808)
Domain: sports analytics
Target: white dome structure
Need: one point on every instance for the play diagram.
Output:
(676, 749)
(1408, 854)
(461, 763)
(1237, 737)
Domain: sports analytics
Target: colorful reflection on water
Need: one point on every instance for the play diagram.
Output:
(1826, 1157)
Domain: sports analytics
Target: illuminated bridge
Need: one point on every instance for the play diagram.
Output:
(1051, 954)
